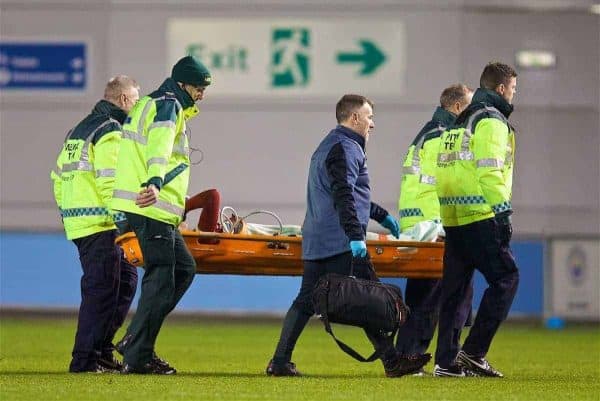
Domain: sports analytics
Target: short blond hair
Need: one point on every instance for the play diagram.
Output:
(117, 85)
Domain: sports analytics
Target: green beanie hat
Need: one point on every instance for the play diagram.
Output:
(189, 70)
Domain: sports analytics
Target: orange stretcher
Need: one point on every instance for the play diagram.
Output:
(281, 255)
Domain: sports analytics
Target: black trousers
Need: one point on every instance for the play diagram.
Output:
(302, 309)
(423, 297)
(169, 269)
(485, 246)
(108, 285)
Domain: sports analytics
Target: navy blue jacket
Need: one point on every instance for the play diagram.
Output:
(338, 196)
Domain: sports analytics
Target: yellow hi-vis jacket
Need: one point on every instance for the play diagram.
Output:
(475, 162)
(85, 171)
(155, 150)
(418, 198)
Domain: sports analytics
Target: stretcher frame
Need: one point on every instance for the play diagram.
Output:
(280, 255)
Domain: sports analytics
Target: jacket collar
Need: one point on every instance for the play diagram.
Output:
(107, 108)
(493, 99)
(170, 85)
(355, 136)
(443, 117)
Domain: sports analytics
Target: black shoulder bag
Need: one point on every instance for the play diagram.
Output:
(369, 304)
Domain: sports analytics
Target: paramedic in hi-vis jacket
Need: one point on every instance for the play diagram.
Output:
(152, 180)
(474, 186)
(419, 203)
(83, 185)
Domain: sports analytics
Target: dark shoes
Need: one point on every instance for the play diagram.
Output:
(452, 371)
(108, 361)
(150, 368)
(96, 369)
(287, 369)
(121, 345)
(479, 366)
(162, 363)
(407, 364)
(156, 365)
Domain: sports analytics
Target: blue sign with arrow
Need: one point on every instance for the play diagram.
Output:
(370, 57)
(43, 65)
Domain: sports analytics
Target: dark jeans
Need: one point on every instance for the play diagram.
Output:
(108, 286)
(302, 309)
(169, 269)
(485, 246)
(423, 297)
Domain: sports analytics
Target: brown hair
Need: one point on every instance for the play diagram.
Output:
(494, 74)
(453, 94)
(348, 104)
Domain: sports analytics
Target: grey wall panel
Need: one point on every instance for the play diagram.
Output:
(25, 22)
(574, 38)
(260, 159)
(256, 152)
(30, 142)
(557, 157)
(557, 173)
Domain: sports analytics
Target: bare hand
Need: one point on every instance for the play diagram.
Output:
(147, 196)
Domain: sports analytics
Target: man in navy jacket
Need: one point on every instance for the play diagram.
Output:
(334, 231)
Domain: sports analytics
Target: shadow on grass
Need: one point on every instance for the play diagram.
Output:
(262, 375)
(248, 375)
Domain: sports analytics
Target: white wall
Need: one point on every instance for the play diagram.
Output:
(256, 152)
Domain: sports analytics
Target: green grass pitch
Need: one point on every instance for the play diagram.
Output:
(225, 360)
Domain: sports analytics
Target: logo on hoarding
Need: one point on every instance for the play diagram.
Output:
(290, 58)
(576, 266)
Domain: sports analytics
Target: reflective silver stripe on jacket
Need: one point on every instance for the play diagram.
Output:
(84, 162)
(147, 110)
(143, 140)
(465, 153)
(77, 166)
(162, 205)
(411, 170)
(416, 159)
(156, 160)
(490, 163)
(159, 124)
(106, 172)
(469, 127)
(427, 179)
(509, 154)
(450, 157)
(182, 150)
(134, 136)
(84, 152)
(180, 145)
(143, 115)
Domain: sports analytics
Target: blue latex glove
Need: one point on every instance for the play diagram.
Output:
(391, 224)
(359, 249)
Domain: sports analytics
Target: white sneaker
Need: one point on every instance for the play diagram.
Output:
(480, 366)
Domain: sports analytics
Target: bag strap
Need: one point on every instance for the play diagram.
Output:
(343, 346)
(346, 348)
(349, 350)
